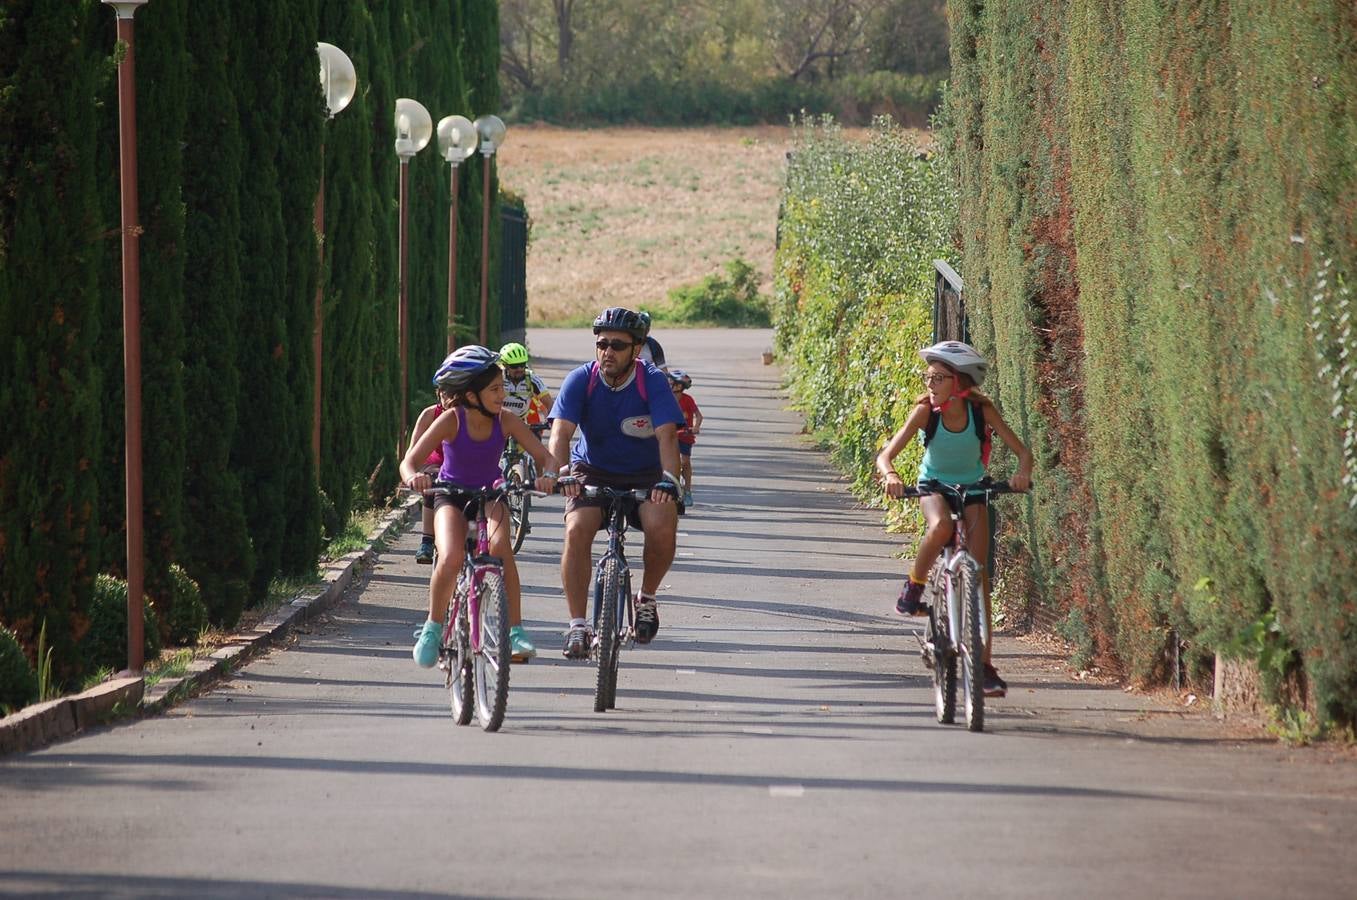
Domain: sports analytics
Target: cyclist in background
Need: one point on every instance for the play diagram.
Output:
(956, 453)
(525, 395)
(424, 555)
(472, 435)
(680, 381)
(651, 351)
(628, 422)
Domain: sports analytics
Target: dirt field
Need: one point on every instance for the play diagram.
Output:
(622, 215)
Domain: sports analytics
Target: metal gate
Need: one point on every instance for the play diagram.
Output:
(513, 273)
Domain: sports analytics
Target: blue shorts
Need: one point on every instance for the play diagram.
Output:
(685, 449)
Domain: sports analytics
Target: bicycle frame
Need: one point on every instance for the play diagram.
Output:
(957, 588)
(478, 563)
(616, 523)
(954, 556)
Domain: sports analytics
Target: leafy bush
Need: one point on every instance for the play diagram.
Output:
(732, 300)
(188, 613)
(18, 683)
(105, 644)
(861, 224)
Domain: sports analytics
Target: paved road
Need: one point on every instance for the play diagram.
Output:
(777, 740)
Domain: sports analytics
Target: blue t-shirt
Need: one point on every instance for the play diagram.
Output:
(616, 427)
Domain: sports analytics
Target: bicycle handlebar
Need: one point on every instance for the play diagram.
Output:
(494, 492)
(928, 488)
(593, 492)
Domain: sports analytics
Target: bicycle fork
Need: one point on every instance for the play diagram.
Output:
(955, 600)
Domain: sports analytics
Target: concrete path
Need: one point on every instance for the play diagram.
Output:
(777, 740)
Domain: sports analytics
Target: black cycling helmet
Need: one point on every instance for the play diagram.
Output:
(619, 318)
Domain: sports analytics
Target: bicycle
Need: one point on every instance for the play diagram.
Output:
(957, 628)
(614, 612)
(476, 652)
(520, 469)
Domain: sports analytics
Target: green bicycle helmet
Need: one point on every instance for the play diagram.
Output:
(513, 354)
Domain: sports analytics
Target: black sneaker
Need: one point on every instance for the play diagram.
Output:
(424, 555)
(994, 685)
(576, 642)
(647, 619)
(910, 601)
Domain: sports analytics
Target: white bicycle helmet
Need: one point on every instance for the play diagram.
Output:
(960, 357)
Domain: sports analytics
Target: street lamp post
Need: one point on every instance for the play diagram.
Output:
(131, 277)
(491, 131)
(338, 82)
(414, 127)
(457, 139)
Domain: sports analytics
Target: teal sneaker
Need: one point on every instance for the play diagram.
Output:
(424, 555)
(523, 650)
(426, 648)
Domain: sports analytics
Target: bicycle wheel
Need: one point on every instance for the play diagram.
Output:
(459, 677)
(972, 644)
(606, 587)
(944, 655)
(520, 505)
(625, 623)
(492, 661)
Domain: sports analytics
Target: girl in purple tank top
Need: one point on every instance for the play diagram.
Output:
(472, 435)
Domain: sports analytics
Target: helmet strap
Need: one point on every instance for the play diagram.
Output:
(959, 395)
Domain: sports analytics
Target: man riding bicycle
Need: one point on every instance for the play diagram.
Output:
(525, 394)
(628, 421)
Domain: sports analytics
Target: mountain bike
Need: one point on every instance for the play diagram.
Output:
(614, 613)
(958, 629)
(476, 651)
(520, 469)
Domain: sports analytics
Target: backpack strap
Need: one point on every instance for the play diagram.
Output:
(931, 428)
(594, 379)
(982, 431)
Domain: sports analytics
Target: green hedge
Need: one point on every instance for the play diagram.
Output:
(230, 128)
(1159, 228)
(853, 99)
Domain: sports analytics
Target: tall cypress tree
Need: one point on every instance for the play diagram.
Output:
(162, 111)
(348, 448)
(430, 59)
(388, 32)
(480, 71)
(259, 450)
(298, 165)
(50, 397)
(217, 551)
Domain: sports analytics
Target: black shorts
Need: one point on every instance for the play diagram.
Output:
(467, 503)
(598, 478)
(432, 472)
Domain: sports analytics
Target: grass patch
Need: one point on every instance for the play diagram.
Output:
(354, 535)
(173, 665)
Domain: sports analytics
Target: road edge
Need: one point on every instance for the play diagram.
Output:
(42, 724)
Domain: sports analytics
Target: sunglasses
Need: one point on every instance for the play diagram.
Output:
(615, 345)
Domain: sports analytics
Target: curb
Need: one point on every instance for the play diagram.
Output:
(36, 726)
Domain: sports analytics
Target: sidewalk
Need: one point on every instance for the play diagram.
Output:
(44, 723)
